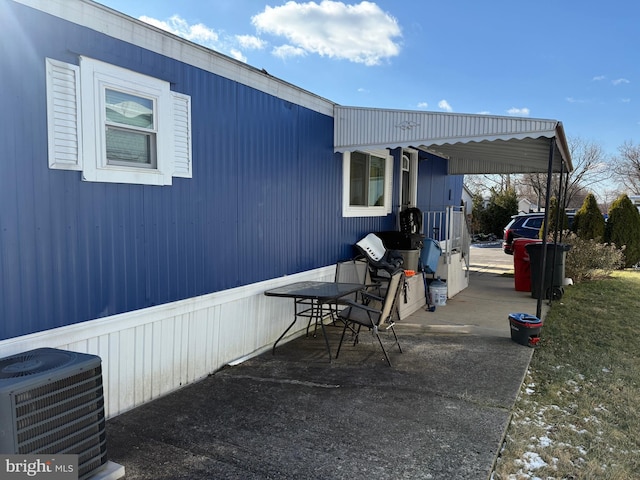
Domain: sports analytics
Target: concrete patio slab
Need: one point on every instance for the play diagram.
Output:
(440, 412)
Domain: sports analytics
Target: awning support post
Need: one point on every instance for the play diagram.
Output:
(545, 229)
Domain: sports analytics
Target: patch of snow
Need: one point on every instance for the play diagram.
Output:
(531, 461)
(545, 442)
(575, 387)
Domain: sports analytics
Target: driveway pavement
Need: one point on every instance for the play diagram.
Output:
(439, 413)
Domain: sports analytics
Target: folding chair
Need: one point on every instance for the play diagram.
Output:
(382, 262)
(352, 271)
(379, 258)
(356, 271)
(358, 315)
(347, 271)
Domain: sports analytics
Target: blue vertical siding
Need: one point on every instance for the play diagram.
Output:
(436, 189)
(264, 200)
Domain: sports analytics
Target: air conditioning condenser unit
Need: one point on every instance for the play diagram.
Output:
(52, 402)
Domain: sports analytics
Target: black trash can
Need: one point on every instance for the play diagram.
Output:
(552, 288)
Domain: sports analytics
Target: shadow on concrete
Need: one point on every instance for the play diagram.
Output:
(439, 413)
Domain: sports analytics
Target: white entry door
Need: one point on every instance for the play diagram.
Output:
(408, 179)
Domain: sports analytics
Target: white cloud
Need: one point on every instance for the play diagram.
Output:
(288, 51)
(250, 42)
(619, 81)
(363, 90)
(207, 37)
(520, 112)
(177, 25)
(599, 78)
(360, 33)
(423, 105)
(238, 55)
(444, 105)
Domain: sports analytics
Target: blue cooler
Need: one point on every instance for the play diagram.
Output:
(525, 328)
(430, 256)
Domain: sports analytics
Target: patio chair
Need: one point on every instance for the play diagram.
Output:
(382, 262)
(378, 256)
(348, 271)
(358, 315)
(352, 271)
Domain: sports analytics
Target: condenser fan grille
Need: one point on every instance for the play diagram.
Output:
(64, 416)
(46, 408)
(29, 364)
(52, 402)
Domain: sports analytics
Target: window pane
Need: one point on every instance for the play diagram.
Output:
(405, 188)
(358, 180)
(535, 222)
(129, 109)
(126, 146)
(376, 181)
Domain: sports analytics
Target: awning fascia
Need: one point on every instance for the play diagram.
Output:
(472, 143)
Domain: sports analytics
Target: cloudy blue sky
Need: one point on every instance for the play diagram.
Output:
(569, 60)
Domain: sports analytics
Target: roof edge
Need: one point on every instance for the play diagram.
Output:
(105, 20)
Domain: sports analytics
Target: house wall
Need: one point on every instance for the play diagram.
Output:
(437, 190)
(164, 283)
(264, 200)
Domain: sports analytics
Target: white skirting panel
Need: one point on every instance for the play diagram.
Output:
(151, 352)
(413, 297)
(454, 270)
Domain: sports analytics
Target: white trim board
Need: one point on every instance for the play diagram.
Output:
(122, 27)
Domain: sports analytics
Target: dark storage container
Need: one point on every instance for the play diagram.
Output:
(393, 240)
(525, 328)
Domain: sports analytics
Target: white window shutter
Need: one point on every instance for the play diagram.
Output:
(63, 115)
(182, 135)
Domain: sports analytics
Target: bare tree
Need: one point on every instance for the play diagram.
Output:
(590, 168)
(607, 197)
(483, 184)
(533, 186)
(627, 167)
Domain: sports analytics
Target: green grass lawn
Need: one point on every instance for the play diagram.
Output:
(578, 412)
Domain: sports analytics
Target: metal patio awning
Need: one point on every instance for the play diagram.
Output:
(473, 144)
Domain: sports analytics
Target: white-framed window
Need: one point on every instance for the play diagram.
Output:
(116, 125)
(367, 183)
